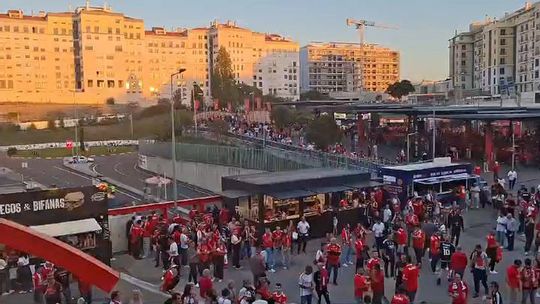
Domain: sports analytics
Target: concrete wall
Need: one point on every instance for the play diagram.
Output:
(205, 176)
(117, 227)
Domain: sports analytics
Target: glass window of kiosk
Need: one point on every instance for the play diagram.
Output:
(315, 204)
(247, 210)
(352, 199)
(284, 209)
(83, 241)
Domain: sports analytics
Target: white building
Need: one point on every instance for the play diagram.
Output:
(278, 74)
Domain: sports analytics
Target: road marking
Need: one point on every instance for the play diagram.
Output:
(115, 168)
(142, 284)
(88, 178)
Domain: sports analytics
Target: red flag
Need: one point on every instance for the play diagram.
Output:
(246, 104)
(258, 100)
(269, 106)
(229, 106)
(197, 104)
(216, 104)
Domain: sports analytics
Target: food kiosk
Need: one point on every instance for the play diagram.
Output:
(77, 216)
(441, 176)
(273, 199)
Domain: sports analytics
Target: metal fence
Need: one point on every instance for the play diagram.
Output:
(241, 157)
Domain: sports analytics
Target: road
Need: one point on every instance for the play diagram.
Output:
(49, 172)
(123, 168)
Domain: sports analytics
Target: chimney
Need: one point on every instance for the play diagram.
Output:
(528, 5)
(87, 4)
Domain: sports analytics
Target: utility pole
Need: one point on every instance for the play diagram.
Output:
(131, 124)
(433, 136)
(173, 139)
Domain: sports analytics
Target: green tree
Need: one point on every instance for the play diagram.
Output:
(400, 88)
(110, 101)
(313, 95)
(183, 119)
(282, 116)
(177, 98)
(51, 124)
(323, 131)
(81, 139)
(223, 84)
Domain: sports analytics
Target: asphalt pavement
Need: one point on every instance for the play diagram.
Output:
(123, 168)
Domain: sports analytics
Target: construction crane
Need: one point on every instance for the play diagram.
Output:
(361, 27)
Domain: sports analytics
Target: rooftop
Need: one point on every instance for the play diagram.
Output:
(268, 178)
(438, 163)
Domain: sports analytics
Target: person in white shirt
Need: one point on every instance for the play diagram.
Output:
(512, 178)
(500, 230)
(303, 233)
(4, 276)
(305, 282)
(378, 233)
(173, 252)
(387, 215)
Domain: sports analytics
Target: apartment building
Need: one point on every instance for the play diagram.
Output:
(251, 54)
(94, 53)
(348, 67)
(499, 57)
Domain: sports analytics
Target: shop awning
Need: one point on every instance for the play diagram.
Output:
(68, 228)
(291, 194)
(445, 179)
(363, 184)
(321, 190)
(233, 194)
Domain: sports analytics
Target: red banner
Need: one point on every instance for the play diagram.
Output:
(258, 100)
(216, 104)
(196, 105)
(269, 106)
(229, 106)
(246, 104)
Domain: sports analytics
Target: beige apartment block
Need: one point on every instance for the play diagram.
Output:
(348, 67)
(93, 54)
(499, 57)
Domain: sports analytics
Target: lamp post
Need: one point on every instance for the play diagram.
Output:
(173, 139)
(433, 136)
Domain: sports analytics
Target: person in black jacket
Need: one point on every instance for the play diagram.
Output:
(128, 232)
(455, 224)
(321, 278)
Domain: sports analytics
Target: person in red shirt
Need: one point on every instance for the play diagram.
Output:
(491, 251)
(374, 260)
(434, 251)
(360, 232)
(359, 249)
(278, 295)
(361, 285)
(170, 279)
(224, 216)
(419, 241)
(400, 297)
(277, 238)
(203, 251)
(286, 248)
(401, 240)
(136, 239)
(377, 283)
(268, 245)
(411, 221)
(334, 252)
(459, 261)
(418, 208)
(411, 274)
(458, 290)
(529, 282)
(205, 283)
(513, 279)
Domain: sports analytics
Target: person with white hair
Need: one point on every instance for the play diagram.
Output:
(136, 297)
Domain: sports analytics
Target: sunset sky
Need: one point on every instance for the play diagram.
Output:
(425, 25)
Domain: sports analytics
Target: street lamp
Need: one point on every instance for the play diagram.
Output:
(173, 138)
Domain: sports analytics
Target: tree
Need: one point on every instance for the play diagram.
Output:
(313, 95)
(197, 94)
(223, 84)
(51, 124)
(177, 98)
(110, 101)
(183, 119)
(81, 139)
(323, 131)
(282, 116)
(400, 88)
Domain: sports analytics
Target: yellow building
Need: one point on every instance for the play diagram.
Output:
(94, 53)
(348, 67)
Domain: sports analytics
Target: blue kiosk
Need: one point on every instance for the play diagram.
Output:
(439, 175)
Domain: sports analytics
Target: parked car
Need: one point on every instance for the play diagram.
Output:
(80, 159)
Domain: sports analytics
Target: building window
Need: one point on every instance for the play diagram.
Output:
(536, 74)
(120, 83)
(503, 51)
(463, 47)
(100, 83)
(501, 71)
(89, 48)
(90, 83)
(503, 42)
(503, 31)
(502, 61)
(463, 63)
(536, 62)
(110, 83)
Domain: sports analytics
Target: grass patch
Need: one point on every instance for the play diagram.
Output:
(63, 152)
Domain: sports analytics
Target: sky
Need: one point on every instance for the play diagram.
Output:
(422, 38)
